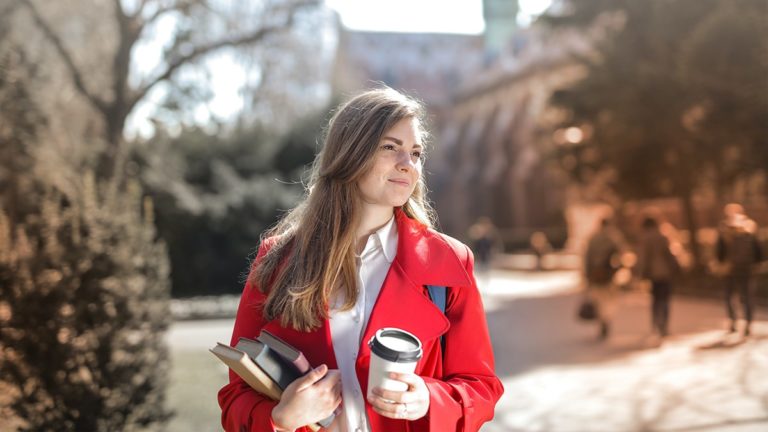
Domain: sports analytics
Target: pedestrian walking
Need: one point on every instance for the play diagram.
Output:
(737, 252)
(601, 260)
(359, 254)
(484, 238)
(540, 247)
(658, 264)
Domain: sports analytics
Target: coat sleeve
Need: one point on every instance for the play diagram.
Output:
(242, 408)
(466, 395)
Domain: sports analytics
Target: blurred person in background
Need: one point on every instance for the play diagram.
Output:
(601, 261)
(737, 252)
(657, 264)
(484, 241)
(540, 246)
(353, 257)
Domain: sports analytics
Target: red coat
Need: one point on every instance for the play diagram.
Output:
(462, 385)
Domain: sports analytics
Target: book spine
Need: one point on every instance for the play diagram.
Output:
(274, 342)
(281, 371)
(302, 364)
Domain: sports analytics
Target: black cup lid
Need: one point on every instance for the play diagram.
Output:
(389, 354)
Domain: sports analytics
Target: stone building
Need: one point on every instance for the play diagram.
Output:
(492, 155)
(429, 66)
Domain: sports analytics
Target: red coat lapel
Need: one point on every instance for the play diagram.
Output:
(426, 256)
(423, 258)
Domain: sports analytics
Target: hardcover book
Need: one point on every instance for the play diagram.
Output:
(285, 350)
(280, 370)
(242, 364)
(269, 371)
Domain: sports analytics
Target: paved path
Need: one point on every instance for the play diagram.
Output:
(559, 378)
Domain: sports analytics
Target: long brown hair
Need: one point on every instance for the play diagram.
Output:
(314, 244)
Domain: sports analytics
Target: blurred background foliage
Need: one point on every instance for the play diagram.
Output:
(215, 193)
(673, 101)
(84, 299)
(93, 219)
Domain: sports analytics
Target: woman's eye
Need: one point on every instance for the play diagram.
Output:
(388, 147)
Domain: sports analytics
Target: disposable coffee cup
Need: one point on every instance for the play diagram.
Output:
(392, 350)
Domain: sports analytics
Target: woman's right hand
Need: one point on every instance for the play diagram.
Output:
(309, 399)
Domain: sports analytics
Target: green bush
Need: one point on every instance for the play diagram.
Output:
(216, 192)
(83, 286)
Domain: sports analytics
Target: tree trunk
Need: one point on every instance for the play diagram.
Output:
(115, 124)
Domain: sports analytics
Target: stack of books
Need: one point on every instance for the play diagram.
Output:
(268, 364)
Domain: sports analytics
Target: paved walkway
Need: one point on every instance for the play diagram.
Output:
(559, 378)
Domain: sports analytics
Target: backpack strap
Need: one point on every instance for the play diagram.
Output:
(438, 296)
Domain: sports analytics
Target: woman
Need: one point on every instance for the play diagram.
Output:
(353, 257)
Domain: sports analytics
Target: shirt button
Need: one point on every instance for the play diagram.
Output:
(356, 318)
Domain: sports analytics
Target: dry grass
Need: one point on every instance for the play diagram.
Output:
(196, 377)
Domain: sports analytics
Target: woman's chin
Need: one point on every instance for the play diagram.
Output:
(400, 202)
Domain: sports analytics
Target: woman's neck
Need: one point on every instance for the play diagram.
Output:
(371, 220)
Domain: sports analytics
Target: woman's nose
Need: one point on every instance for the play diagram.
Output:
(404, 161)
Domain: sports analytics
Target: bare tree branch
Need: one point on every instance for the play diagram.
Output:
(75, 74)
(129, 30)
(158, 12)
(8, 9)
(170, 7)
(140, 9)
(119, 8)
(202, 50)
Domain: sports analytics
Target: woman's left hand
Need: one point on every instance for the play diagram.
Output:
(411, 404)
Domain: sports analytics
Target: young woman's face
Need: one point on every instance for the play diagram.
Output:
(396, 166)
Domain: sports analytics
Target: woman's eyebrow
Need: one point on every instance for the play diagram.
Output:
(395, 140)
(399, 142)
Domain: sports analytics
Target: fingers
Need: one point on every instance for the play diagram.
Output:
(337, 400)
(331, 380)
(391, 410)
(396, 410)
(327, 389)
(412, 380)
(331, 377)
(411, 404)
(393, 396)
(312, 377)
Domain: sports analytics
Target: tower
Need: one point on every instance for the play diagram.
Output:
(500, 23)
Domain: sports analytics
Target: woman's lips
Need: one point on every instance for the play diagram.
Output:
(400, 182)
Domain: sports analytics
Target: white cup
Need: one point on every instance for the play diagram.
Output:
(392, 350)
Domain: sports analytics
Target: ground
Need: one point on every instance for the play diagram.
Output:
(557, 376)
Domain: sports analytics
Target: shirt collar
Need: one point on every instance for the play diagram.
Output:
(385, 238)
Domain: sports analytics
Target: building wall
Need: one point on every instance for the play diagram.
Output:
(429, 66)
(490, 161)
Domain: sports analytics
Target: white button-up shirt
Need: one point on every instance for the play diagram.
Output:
(347, 326)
